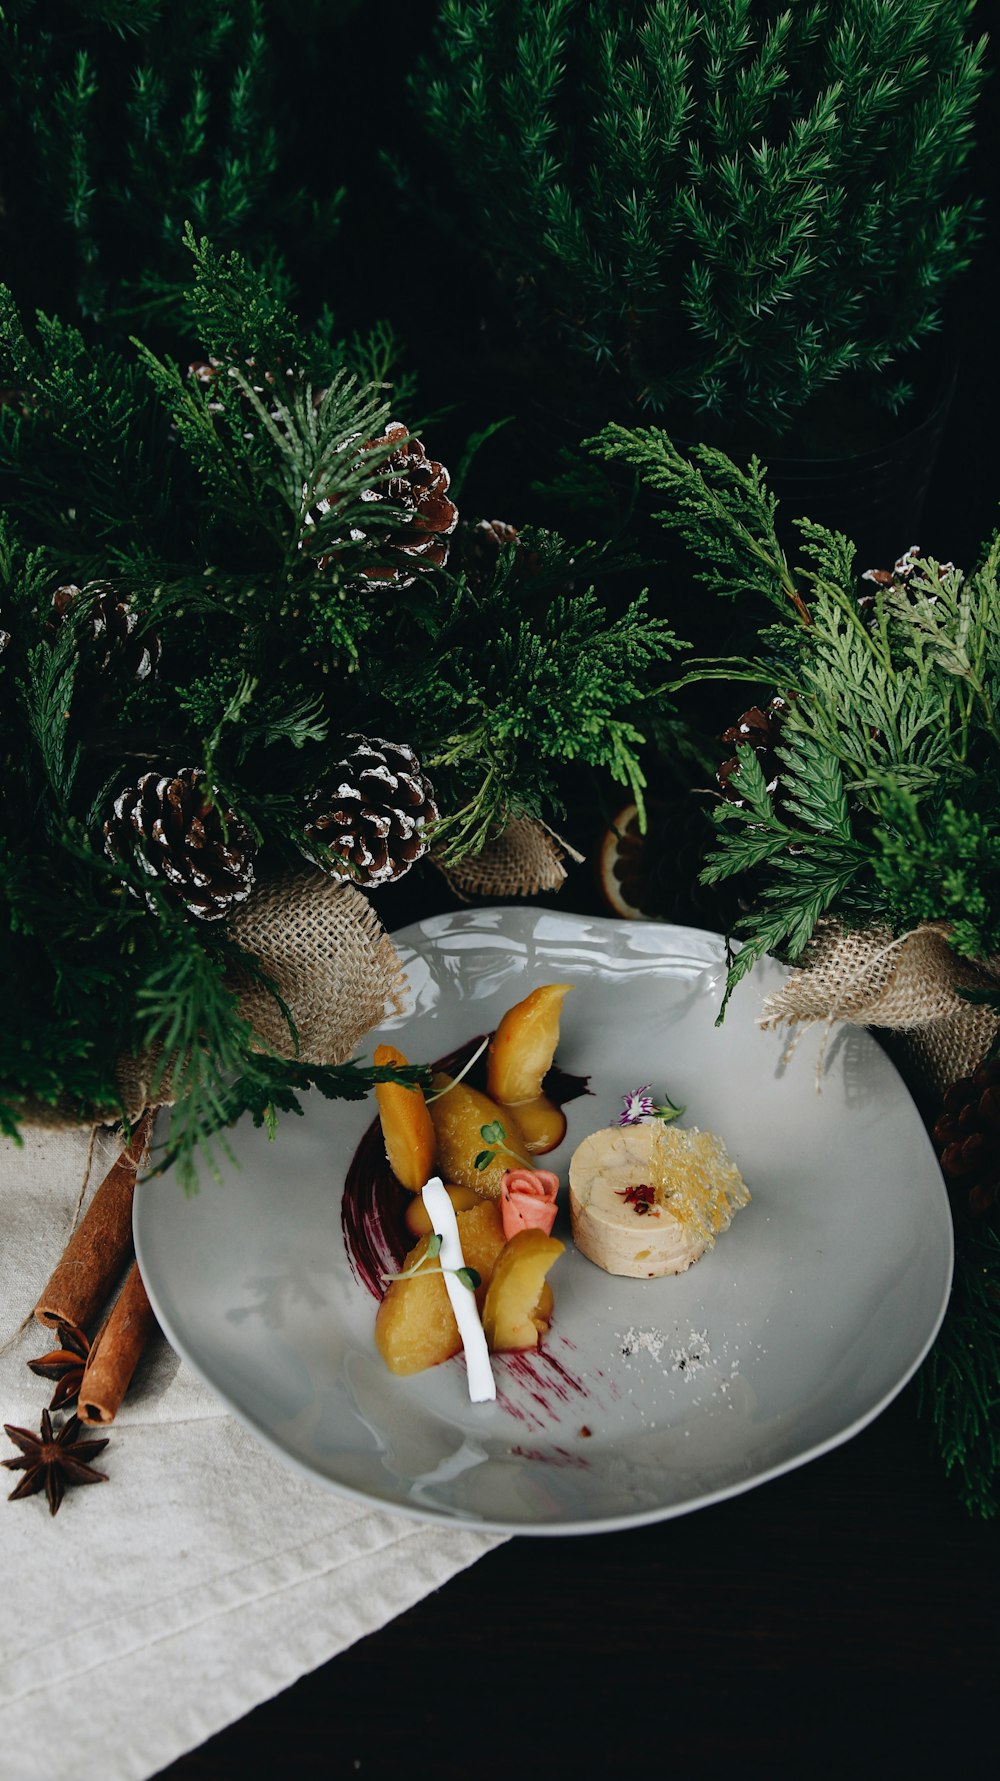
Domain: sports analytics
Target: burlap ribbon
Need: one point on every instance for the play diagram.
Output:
(906, 985)
(524, 860)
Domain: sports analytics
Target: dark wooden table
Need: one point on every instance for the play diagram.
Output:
(841, 1619)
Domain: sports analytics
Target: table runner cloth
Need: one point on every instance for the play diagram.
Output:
(203, 1577)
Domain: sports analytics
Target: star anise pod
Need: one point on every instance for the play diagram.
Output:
(51, 1461)
(65, 1365)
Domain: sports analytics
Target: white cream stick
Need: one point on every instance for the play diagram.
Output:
(441, 1212)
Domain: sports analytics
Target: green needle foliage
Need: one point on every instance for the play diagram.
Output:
(890, 729)
(722, 208)
(122, 119)
(242, 527)
(885, 807)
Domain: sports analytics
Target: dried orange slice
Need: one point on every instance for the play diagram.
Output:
(622, 869)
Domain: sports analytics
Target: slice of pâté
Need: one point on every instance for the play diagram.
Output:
(650, 1199)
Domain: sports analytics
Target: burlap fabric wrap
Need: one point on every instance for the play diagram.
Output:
(905, 985)
(522, 861)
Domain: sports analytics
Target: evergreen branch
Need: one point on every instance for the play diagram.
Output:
(723, 513)
(716, 210)
(961, 1376)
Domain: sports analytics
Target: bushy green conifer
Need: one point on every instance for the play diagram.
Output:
(883, 806)
(242, 527)
(721, 208)
(122, 120)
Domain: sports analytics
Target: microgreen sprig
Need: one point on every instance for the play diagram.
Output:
(464, 1071)
(469, 1277)
(496, 1139)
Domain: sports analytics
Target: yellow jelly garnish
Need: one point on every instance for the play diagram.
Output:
(696, 1181)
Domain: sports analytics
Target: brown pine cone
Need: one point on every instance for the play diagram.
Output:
(898, 577)
(967, 1138)
(206, 373)
(168, 826)
(760, 729)
(480, 543)
(113, 626)
(418, 485)
(371, 813)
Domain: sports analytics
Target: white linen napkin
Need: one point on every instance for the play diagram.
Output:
(204, 1576)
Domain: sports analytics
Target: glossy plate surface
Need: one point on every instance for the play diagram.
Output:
(651, 1398)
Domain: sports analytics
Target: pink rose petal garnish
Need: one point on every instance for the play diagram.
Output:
(528, 1201)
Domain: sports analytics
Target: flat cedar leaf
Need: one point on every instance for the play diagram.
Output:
(749, 782)
(752, 948)
(740, 851)
(813, 785)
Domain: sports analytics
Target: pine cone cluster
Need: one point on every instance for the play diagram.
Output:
(967, 1139)
(371, 813)
(168, 826)
(760, 729)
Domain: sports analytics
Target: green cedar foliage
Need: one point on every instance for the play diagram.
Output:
(245, 517)
(120, 120)
(723, 207)
(887, 805)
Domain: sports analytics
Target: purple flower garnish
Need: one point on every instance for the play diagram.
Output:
(638, 1104)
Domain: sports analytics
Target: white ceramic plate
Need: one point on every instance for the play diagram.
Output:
(805, 1320)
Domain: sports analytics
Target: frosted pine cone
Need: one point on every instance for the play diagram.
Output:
(113, 628)
(760, 731)
(898, 578)
(169, 827)
(371, 814)
(417, 487)
(480, 547)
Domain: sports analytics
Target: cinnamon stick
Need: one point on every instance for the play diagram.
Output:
(115, 1354)
(99, 1248)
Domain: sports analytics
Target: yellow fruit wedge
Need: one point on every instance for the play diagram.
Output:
(458, 1117)
(524, 1045)
(415, 1326)
(407, 1129)
(417, 1217)
(518, 1304)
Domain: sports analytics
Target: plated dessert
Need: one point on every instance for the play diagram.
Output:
(647, 1196)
